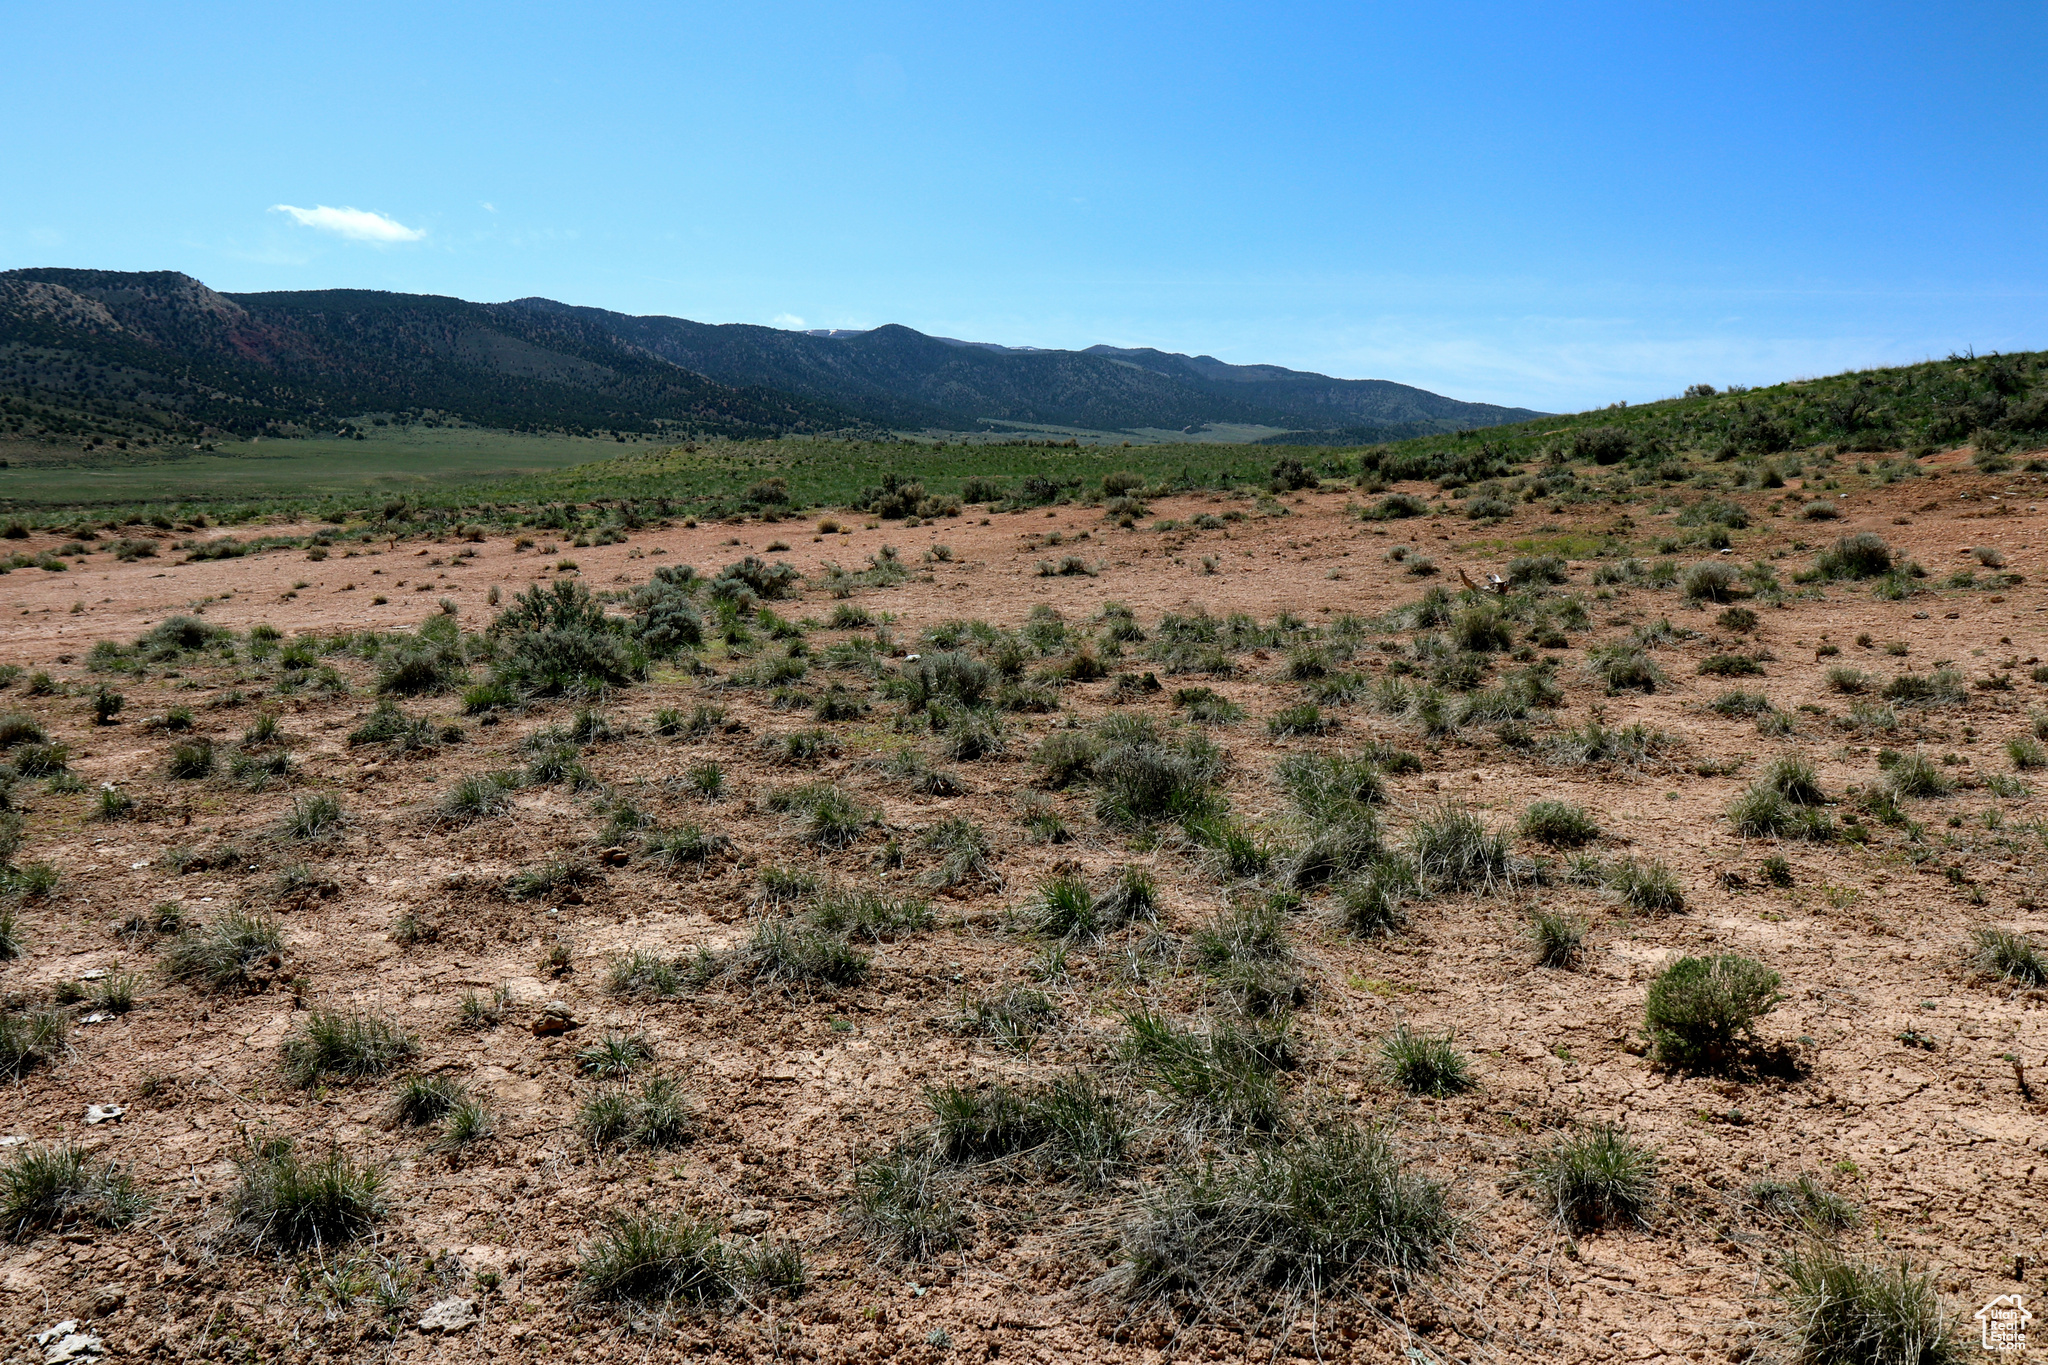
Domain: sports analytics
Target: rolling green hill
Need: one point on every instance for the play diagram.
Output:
(156, 359)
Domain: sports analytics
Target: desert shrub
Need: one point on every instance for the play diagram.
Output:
(1820, 509)
(331, 1045)
(219, 955)
(2008, 956)
(1597, 1177)
(1848, 681)
(1711, 581)
(683, 1261)
(417, 670)
(1558, 824)
(1396, 506)
(1863, 555)
(62, 1186)
(1841, 1311)
(1730, 666)
(1536, 571)
(1624, 668)
(1650, 887)
(1424, 1063)
(1559, 938)
(1065, 757)
(1699, 1009)
(1289, 1223)
(286, 1203)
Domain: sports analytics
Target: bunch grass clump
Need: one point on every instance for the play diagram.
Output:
(331, 1045)
(62, 1186)
(1559, 938)
(1424, 1063)
(790, 957)
(1597, 1177)
(1558, 824)
(2008, 956)
(870, 915)
(659, 1114)
(31, 1038)
(221, 955)
(1846, 1311)
(1288, 1223)
(670, 1261)
(286, 1203)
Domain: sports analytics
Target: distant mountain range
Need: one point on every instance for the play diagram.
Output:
(87, 353)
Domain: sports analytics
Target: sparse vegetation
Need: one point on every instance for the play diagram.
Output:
(1701, 1009)
(1597, 1177)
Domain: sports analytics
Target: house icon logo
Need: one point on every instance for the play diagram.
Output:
(2005, 1321)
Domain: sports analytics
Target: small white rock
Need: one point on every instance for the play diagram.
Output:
(15, 1140)
(96, 1018)
(62, 1329)
(104, 1113)
(93, 974)
(76, 1346)
(449, 1315)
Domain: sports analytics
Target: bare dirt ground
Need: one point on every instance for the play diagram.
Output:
(1936, 1145)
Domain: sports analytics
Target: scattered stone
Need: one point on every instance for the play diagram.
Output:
(93, 974)
(65, 1342)
(614, 857)
(96, 1017)
(554, 1017)
(105, 1113)
(449, 1315)
(748, 1219)
(15, 1140)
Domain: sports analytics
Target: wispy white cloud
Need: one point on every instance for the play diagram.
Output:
(358, 225)
(787, 321)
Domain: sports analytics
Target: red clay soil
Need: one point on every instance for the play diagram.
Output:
(1935, 1144)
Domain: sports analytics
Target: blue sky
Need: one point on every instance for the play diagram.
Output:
(1556, 205)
